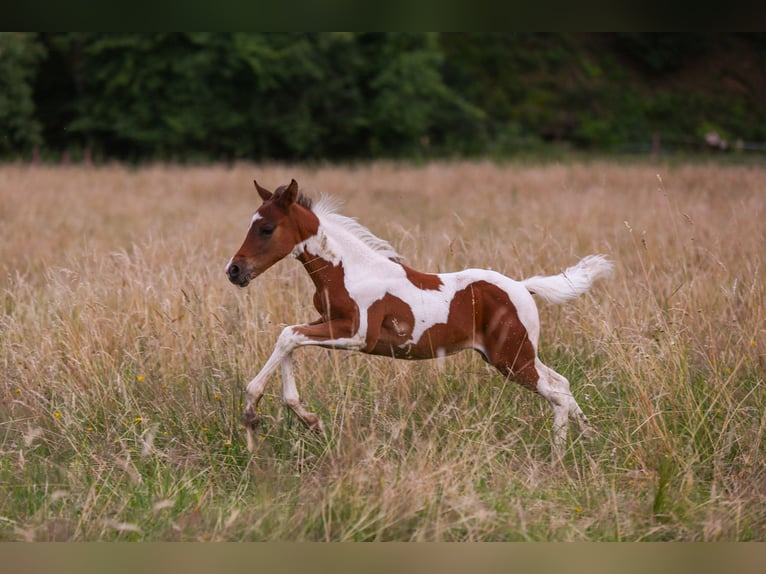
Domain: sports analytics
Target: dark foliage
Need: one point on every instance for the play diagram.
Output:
(337, 96)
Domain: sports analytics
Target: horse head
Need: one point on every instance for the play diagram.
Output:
(280, 223)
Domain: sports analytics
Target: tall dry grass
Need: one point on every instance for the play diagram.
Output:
(124, 352)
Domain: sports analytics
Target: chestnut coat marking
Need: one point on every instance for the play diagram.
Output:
(369, 301)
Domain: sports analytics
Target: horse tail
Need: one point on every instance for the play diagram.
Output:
(574, 281)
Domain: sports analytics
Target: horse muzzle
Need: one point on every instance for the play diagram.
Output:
(238, 274)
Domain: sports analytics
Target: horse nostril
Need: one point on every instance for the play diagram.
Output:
(233, 271)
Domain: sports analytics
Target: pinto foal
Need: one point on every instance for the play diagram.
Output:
(369, 301)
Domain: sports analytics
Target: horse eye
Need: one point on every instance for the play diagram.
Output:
(267, 229)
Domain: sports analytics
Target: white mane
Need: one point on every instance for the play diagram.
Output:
(326, 210)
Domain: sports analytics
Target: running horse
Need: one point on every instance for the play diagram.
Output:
(369, 301)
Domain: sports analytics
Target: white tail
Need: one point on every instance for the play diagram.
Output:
(573, 282)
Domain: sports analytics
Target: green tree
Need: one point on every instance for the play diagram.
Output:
(411, 106)
(218, 96)
(249, 95)
(20, 54)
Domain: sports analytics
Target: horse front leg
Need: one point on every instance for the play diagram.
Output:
(291, 398)
(337, 333)
(250, 417)
(286, 343)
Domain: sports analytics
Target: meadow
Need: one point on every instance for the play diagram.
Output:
(124, 353)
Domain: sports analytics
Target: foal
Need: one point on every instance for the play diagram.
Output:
(369, 301)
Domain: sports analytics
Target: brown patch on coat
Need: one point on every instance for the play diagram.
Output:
(506, 341)
(389, 326)
(426, 281)
(331, 297)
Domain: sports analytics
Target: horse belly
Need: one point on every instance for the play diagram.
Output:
(415, 351)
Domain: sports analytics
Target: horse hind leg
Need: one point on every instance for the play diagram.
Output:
(510, 347)
(574, 411)
(555, 388)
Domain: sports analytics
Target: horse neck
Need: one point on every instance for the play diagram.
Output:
(321, 271)
(331, 253)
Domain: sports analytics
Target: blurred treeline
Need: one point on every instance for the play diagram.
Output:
(339, 96)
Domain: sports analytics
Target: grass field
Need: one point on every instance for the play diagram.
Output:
(124, 352)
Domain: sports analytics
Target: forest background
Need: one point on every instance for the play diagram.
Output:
(200, 97)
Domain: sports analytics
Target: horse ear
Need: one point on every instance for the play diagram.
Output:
(262, 191)
(288, 195)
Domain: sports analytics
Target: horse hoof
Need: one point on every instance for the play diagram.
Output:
(315, 425)
(251, 420)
